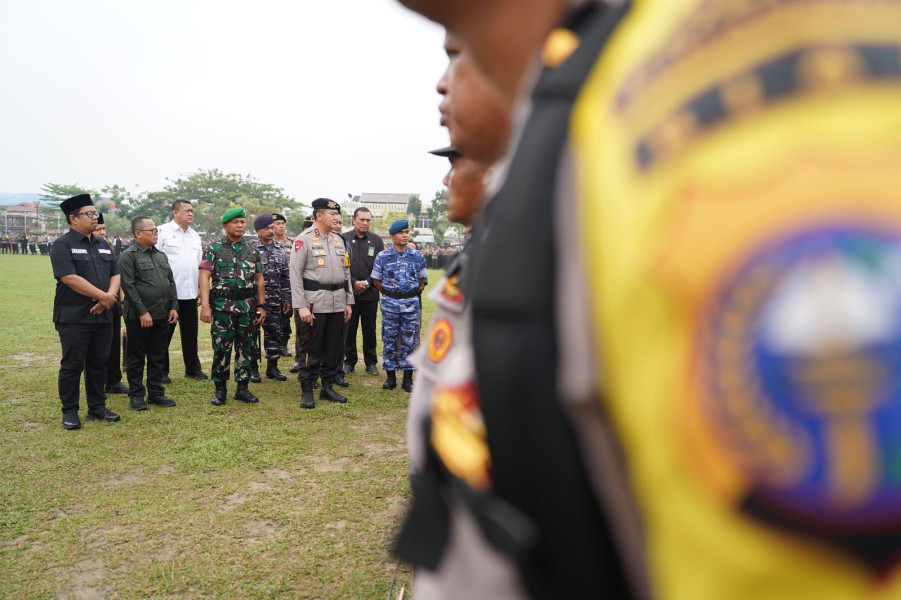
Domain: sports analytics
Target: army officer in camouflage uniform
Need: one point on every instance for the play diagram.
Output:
(321, 294)
(278, 292)
(231, 291)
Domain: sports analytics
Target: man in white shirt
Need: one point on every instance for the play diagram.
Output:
(183, 247)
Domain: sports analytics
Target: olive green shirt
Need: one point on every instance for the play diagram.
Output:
(147, 282)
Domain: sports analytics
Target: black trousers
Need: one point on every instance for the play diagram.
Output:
(323, 357)
(187, 325)
(85, 348)
(364, 313)
(113, 368)
(150, 345)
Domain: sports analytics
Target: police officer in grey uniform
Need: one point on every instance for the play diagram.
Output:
(322, 296)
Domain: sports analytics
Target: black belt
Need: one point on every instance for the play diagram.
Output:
(234, 295)
(314, 286)
(401, 295)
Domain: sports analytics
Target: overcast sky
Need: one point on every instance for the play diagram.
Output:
(319, 97)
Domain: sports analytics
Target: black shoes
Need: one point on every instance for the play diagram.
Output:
(372, 370)
(339, 380)
(137, 403)
(272, 371)
(348, 369)
(331, 395)
(219, 396)
(244, 395)
(285, 352)
(198, 375)
(118, 388)
(255, 373)
(306, 396)
(295, 368)
(108, 416)
(70, 423)
(407, 385)
(166, 379)
(161, 401)
(390, 382)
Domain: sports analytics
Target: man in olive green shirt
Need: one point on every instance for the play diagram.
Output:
(151, 305)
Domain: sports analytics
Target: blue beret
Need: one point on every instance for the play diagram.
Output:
(399, 225)
(263, 221)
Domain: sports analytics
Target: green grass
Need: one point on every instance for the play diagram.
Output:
(241, 501)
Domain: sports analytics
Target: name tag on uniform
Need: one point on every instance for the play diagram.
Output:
(339, 251)
(104, 251)
(371, 251)
(79, 251)
(317, 252)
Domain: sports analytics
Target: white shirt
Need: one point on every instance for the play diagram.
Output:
(184, 250)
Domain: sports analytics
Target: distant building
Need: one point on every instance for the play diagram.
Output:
(377, 203)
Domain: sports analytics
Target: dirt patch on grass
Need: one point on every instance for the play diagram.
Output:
(279, 474)
(123, 479)
(324, 464)
(83, 580)
(240, 498)
(166, 469)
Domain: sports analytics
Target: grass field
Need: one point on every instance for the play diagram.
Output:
(240, 501)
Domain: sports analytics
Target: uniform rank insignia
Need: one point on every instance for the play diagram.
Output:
(441, 338)
(458, 435)
(320, 262)
(451, 291)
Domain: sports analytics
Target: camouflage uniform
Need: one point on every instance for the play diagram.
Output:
(287, 244)
(399, 273)
(233, 304)
(278, 292)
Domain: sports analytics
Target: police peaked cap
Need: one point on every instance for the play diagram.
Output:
(446, 152)
(325, 203)
(263, 221)
(232, 213)
(72, 204)
(307, 223)
(399, 225)
(278, 217)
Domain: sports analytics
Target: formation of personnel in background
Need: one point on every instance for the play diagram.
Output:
(113, 366)
(278, 296)
(322, 298)
(184, 249)
(232, 299)
(151, 306)
(279, 228)
(87, 283)
(362, 246)
(693, 368)
(400, 274)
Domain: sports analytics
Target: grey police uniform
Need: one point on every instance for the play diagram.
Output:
(320, 277)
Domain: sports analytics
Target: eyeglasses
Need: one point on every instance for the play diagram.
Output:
(154, 231)
(88, 213)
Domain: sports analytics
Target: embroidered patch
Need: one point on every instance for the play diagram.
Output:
(450, 291)
(79, 251)
(441, 338)
(104, 251)
(298, 244)
(458, 435)
(320, 262)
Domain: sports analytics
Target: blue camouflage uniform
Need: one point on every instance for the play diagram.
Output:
(276, 271)
(399, 273)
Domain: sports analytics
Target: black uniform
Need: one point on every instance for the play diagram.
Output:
(85, 337)
(362, 257)
(149, 288)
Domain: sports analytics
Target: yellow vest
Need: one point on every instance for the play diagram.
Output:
(739, 174)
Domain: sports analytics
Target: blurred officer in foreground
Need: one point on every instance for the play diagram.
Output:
(733, 396)
(442, 535)
(232, 298)
(87, 284)
(151, 306)
(321, 295)
(400, 274)
(279, 228)
(363, 246)
(113, 366)
(278, 291)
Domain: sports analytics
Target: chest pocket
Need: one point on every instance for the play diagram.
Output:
(145, 268)
(83, 266)
(264, 259)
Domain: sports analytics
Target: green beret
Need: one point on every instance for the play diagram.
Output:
(232, 213)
